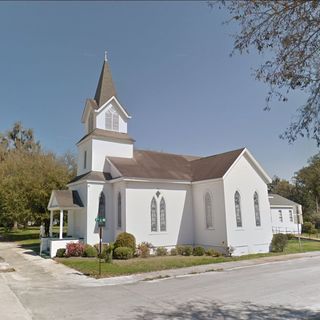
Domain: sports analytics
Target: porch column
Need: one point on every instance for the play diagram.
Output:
(51, 222)
(61, 224)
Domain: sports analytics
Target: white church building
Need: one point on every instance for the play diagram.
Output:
(165, 199)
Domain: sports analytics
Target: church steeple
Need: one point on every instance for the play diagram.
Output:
(105, 89)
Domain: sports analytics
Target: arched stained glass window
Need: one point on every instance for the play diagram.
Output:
(154, 218)
(119, 211)
(102, 209)
(163, 221)
(208, 210)
(237, 204)
(257, 209)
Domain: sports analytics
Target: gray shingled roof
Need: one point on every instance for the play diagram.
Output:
(100, 133)
(92, 175)
(66, 199)
(277, 200)
(105, 89)
(159, 165)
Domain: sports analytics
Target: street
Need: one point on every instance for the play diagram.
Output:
(273, 290)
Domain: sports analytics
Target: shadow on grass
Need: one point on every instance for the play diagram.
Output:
(200, 310)
(33, 249)
(17, 236)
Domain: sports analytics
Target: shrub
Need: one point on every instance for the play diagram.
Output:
(144, 249)
(279, 241)
(307, 227)
(213, 253)
(74, 249)
(61, 253)
(161, 251)
(187, 251)
(180, 249)
(198, 251)
(125, 239)
(184, 250)
(173, 252)
(291, 236)
(104, 247)
(122, 253)
(89, 251)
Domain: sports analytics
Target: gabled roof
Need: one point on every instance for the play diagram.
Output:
(153, 165)
(159, 165)
(100, 133)
(64, 199)
(277, 200)
(215, 166)
(105, 89)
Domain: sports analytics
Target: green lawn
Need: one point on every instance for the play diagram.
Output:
(89, 266)
(26, 238)
(29, 239)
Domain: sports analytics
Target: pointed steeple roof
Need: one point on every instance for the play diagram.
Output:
(105, 89)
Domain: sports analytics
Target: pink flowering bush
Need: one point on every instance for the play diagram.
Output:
(75, 249)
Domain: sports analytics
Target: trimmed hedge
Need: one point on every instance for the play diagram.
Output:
(127, 240)
(173, 252)
(213, 253)
(122, 253)
(90, 251)
(161, 251)
(199, 251)
(61, 253)
(279, 242)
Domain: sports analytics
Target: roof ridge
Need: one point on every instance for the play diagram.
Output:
(218, 154)
(169, 153)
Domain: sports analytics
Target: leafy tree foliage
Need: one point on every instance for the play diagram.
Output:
(27, 177)
(288, 33)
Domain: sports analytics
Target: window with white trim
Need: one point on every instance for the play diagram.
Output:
(163, 220)
(290, 215)
(85, 160)
(102, 209)
(112, 119)
(154, 215)
(257, 209)
(280, 216)
(237, 205)
(208, 210)
(119, 211)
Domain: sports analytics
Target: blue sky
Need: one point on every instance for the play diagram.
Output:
(171, 67)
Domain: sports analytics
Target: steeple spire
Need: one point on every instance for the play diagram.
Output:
(105, 89)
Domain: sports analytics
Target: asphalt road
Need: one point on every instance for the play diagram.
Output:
(274, 290)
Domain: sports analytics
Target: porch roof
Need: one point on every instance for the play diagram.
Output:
(65, 200)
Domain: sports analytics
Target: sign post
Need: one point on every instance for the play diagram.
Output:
(101, 223)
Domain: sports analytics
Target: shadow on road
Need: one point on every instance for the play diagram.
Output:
(213, 310)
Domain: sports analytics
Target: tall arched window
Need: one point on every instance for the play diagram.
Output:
(237, 205)
(102, 209)
(112, 119)
(208, 209)
(163, 221)
(119, 210)
(154, 218)
(257, 209)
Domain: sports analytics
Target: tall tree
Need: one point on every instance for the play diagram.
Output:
(18, 138)
(288, 33)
